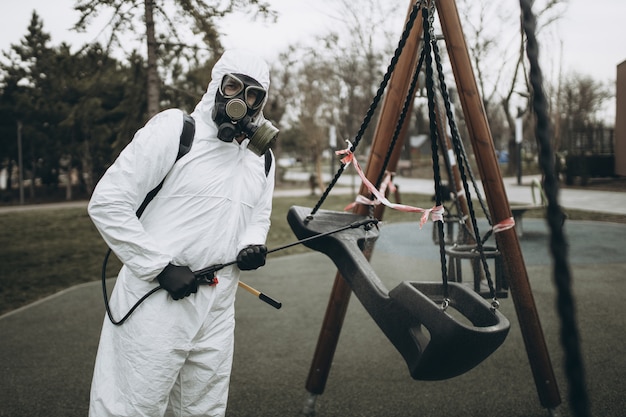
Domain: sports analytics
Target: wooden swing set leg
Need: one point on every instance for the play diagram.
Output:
(329, 336)
(495, 193)
(392, 104)
(326, 344)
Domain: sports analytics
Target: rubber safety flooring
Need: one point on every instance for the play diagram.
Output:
(47, 349)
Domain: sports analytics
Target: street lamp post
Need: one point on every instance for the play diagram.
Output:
(518, 144)
(20, 165)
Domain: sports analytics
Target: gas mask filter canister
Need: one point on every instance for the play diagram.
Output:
(237, 103)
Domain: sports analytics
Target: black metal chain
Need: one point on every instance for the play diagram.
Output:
(463, 164)
(403, 114)
(375, 101)
(574, 369)
(434, 141)
(207, 275)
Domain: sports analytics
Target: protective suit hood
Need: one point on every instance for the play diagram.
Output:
(232, 61)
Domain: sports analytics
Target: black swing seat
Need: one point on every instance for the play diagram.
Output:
(434, 343)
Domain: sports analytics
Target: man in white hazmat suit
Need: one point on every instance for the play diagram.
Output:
(174, 354)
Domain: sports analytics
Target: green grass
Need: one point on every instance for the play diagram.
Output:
(44, 251)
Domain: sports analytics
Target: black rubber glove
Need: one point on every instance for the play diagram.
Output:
(179, 281)
(251, 257)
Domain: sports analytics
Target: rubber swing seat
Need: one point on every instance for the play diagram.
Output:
(435, 344)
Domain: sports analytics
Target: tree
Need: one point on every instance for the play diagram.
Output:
(313, 118)
(497, 46)
(77, 111)
(25, 85)
(332, 82)
(105, 103)
(582, 99)
(167, 29)
(188, 88)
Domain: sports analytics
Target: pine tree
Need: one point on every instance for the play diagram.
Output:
(164, 26)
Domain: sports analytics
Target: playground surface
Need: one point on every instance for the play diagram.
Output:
(47, 349)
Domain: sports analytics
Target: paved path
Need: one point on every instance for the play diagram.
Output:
(47, 349)
(589, 200)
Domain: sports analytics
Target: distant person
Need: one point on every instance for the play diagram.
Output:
(174, 354)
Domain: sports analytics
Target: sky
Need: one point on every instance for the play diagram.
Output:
(593, 34)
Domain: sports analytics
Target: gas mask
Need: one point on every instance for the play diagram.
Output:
(238, 102)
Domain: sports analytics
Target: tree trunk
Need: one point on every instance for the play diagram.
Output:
(10, 165)
(68, 183)
(152, 73)
(317, 181)
(33, 175)
(87, 168)
(512, 165)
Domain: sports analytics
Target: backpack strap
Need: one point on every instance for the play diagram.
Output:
(186, 137)
(268, 162)
(186, 140)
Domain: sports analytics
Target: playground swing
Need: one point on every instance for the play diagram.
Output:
(468, 244)
(415, 316)
(434, 343)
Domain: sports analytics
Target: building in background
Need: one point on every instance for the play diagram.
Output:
(620, 120)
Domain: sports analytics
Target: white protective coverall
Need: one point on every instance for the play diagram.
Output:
(176, 356)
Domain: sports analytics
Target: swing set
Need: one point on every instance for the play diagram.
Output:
(421, 319)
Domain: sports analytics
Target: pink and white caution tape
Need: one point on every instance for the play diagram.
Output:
(505, 224)
(435, 213)
(388, 183)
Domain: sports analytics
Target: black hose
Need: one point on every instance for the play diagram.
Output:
(202, 274)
